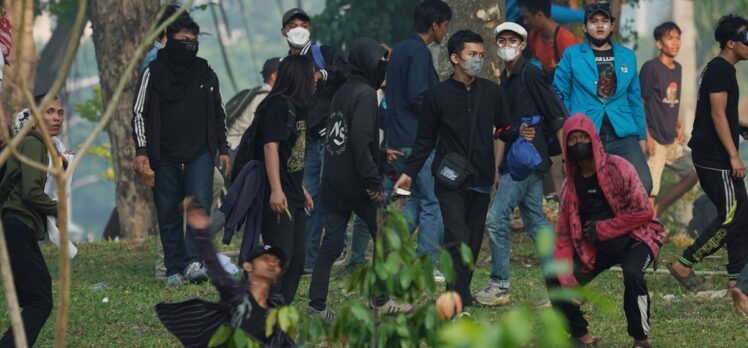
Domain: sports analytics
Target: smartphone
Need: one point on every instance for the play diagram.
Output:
(400, 193)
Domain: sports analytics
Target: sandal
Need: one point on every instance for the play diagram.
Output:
(690, 282)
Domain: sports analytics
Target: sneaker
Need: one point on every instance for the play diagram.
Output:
(392, 307)
(641, 344)
(159, 266)
(341, 260)
(346, 271)
(307, 271)
(439, 277)
(174, 280)
(326, 315)
(194, 273)
(492, 295)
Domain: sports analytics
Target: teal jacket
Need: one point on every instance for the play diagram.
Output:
(576, 82)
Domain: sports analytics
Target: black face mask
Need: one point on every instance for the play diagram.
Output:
(598, 42)
(180, 51)
(580, 151)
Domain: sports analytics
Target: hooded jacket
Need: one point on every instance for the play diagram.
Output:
(624, 192)
(352, 154)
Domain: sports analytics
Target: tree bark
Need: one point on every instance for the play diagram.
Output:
(118, 27)
(480, 16)
(13, 98)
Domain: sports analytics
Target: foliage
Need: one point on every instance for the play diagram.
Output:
(388, 21)
(91, 109)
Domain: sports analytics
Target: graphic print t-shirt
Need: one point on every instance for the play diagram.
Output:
(606, 69)
(660, 88)
(281, 124)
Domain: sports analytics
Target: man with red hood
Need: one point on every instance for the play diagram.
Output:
(605, 219)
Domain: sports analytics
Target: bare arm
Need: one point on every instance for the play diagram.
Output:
(719, 118)
(278, 202)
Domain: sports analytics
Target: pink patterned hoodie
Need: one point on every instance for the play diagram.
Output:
(626, 195)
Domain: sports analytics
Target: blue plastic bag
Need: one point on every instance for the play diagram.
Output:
(523, 158)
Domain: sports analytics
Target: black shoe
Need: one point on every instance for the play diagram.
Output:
(641, 344)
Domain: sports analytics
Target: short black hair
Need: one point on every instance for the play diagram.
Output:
(535, 6)
(168, 12)
(664, 29)
(728, 28)
(38, 98)
(184, 21)
(429, 12)
(457, 41)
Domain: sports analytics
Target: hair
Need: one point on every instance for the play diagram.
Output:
(266, 73)
(170, 10)
(535, 6)
(184, 21)
(38, 98)
(295, 81)
(457, 42)
(429, 12)
(664, 29)
(727, 28)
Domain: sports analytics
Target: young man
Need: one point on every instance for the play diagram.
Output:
(179, 126)
(195, 321)
(548, 39)
(330, 75)
(352, 178)
(161, 41)
(598, 78)
(714, 142)
(410, 73)
(660, 87)
(457, 119)
(532, 95)
(24, 208)
(243, 121)
(604, 219)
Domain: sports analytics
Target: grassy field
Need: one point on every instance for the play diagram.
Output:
(129, 320)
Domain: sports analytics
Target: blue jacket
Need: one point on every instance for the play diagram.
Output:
(410, 72)
(576, 82)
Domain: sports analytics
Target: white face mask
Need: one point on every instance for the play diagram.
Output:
(508, 54)
(298, 37)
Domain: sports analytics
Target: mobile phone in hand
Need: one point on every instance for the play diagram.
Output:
(400, 194)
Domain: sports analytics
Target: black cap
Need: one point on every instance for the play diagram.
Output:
(270, 66)
(593, 8)
(294, 12)
(267, 249)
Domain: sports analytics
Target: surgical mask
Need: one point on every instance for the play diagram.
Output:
(298, 37)
(181, 51)
(473, 66)
(580, 151)
(508, 54)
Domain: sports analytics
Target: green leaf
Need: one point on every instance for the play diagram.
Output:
(406, 277)
(393, 239)
(545, 239)
(518, 327)
(270, 322)
(446, 266)
(221, 335)
(467, 256)
(239, 339)
(283, 321)
(360, 314)
(554, 329)
(393, 264)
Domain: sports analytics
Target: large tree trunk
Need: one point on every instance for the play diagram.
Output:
(118, 27)
(13, 98)
(480, 16)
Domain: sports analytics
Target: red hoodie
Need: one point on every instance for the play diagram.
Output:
(626, 195)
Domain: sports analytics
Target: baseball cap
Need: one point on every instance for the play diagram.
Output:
(513, 27)
(294, 12)
(593, 8)
(266, 249)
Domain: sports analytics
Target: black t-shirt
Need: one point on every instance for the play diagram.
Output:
(255, 324)
(718, 76)
(288, 127)
(660, 88)
(184, 125)
(592, 202)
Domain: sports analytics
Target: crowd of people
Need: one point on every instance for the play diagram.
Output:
(328, 140)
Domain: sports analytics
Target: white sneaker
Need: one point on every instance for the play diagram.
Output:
(341, 260)
(492, 295)
(392, 307)
(439, 277)
(194, 273)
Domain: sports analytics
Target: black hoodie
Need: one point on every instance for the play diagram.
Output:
(352, 154)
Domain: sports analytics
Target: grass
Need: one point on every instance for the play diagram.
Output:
(129, 320)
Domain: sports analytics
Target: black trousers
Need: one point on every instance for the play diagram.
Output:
(31, 279)
(333, 242)
(731, 225)
(633, 261)
(286, 233)
(464, 216)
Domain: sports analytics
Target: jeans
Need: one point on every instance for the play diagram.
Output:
(422, 209)
(528, 195)
(174, 182)
(31, 279)
(629, 149)
(315, 153)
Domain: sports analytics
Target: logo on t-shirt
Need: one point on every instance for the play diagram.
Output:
(296, 160)
(671, 95)
(337, 134)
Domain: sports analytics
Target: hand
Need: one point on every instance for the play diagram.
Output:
(403, 182)
(197, 218)
(738, 168)
(643, 145)
(278, 202)
(392, 155)
(308, 201)
(224, 163)
(590, 231)
(317, 75)
(376, 196)
(527, 132)
(681, 133)
(650, 146)
(140, 164)
(495, 182)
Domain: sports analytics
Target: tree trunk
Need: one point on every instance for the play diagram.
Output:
(53, 54)
(118, 27)
(13, 99)
(480, 16)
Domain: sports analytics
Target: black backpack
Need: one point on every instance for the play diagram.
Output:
(238, 103)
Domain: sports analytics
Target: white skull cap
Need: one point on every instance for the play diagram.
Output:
(513, 27)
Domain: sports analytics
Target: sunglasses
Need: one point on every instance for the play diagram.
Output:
(742, 37)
